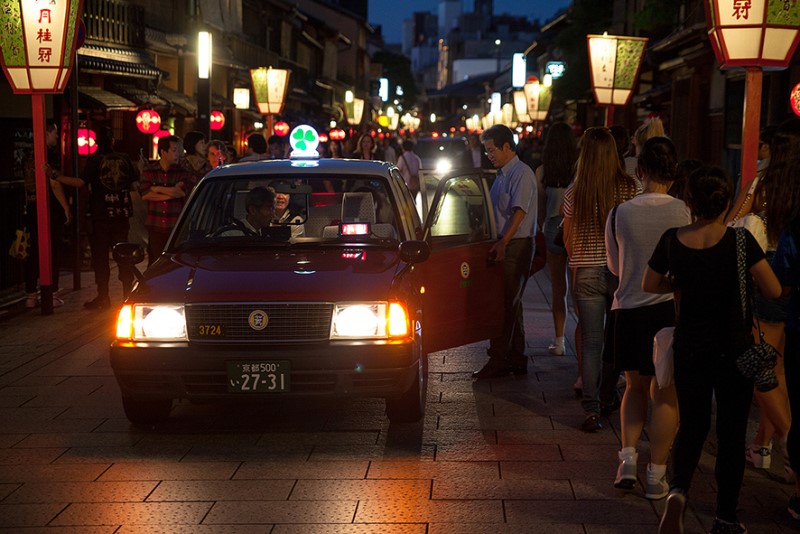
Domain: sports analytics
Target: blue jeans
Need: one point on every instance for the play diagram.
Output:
(591, 291)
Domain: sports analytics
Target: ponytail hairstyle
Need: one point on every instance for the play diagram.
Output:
(709, 192)
(658, 160)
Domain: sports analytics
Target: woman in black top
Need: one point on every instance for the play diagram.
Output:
(699, 263)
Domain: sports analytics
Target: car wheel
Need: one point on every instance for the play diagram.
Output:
(410, 406)
(146, 411)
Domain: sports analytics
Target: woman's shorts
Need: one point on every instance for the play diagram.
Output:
(771, 310)
(550, 229)
(633, 335)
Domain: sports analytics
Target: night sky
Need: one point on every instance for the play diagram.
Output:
(390, 13)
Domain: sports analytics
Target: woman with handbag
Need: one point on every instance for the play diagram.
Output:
(600, 184)
(632, 233)
(700, 261)
(773, 206)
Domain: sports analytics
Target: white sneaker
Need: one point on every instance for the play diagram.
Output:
(672, 519)
(31, 300)
(556, 349)
(626, 472)
(57, 302)
(760, 457)
(656, 486)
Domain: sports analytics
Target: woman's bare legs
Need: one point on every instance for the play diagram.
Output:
(664, 421)
(774, 417)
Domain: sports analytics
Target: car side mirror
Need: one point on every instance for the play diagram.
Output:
(129, 254)
(414, 251)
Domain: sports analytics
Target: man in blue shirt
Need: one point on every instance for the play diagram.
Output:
(514, 199)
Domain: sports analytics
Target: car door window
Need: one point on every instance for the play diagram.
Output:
(461, 212)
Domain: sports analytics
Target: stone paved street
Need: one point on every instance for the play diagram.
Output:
(503, 456)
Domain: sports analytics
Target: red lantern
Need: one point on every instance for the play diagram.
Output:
(217, 120)
(158, 135)
(323, 137)
(281, 128)
(337, 134)
(148, 121)
(794, 99)
(87, 142)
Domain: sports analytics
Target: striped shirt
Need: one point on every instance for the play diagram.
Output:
(588, 243)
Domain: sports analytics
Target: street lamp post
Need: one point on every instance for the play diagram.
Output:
(269, 90)
(752, 35)
(614, 62)
(37, 52)
(204, 55)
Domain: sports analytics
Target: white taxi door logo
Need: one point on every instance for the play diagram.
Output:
(464, 270)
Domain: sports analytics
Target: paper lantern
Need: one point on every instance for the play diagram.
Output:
(87, 142)
(269, 89)
(614, 63)
(217, 119)
(37, 43)
(148, 121)
(749, 33)
(794, 99)
(281, 128)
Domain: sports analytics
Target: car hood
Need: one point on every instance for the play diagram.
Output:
(291, 275)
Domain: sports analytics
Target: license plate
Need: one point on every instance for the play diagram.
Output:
(258, 377)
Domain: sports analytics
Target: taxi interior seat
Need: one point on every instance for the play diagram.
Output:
(358, 207)
(239, 204)
(321, 216)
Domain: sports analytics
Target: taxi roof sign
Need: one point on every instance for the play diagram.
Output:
(304, 141)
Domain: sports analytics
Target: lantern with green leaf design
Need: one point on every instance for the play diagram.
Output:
(37, 43)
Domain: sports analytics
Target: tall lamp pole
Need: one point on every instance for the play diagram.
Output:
(37, 53)
(614, 62)
(204, 61)
(753, 35)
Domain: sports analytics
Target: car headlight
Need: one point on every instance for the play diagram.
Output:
(443, 165)
(152, 322)
(369, 320)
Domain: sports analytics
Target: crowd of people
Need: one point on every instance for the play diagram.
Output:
(640, 239)
(645, 241)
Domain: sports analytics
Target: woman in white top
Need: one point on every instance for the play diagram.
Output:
(632, 233)
(409, 164)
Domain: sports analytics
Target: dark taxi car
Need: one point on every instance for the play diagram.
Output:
(346, 300)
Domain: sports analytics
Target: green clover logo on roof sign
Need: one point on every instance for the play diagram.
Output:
(304, 141)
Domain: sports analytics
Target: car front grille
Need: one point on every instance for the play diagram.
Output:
(286, 322)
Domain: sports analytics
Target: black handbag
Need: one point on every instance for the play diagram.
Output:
(757, 362)
(558, 239)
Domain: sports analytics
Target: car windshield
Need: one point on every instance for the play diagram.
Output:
(315, 209)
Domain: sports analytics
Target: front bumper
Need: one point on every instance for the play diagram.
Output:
(198, 372)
